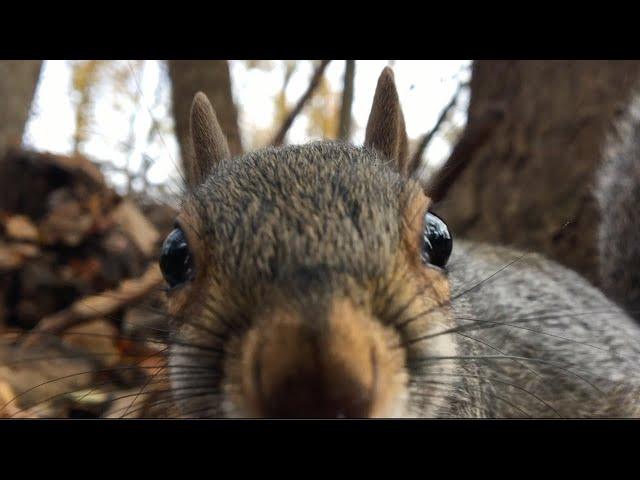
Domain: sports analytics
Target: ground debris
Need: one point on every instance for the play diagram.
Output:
(82, 324)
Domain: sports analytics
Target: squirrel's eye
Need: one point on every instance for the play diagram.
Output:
(437, 242)
(175, 259)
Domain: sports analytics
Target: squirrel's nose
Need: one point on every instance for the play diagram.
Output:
(294, 371)
(312, 394)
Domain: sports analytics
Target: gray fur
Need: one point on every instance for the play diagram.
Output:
(291, 225)
(333, 209)
(279, 210)
(618, 195)
(523, 336)
(570, 337)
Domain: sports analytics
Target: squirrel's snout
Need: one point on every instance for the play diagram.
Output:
(292, 369)
(310, 392)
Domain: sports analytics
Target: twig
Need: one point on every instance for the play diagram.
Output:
(344, 128)
(103, 304)
(472, 138)
(424, 143)
(313, 85)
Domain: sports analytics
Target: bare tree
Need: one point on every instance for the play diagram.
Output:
(213, 78)
(314, 83)
(530, 183)
(18, 81)
(416, 158)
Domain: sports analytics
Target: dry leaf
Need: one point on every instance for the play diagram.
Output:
(97, 337)
(20, 227)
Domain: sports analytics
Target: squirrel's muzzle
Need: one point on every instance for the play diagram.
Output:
(339, 366)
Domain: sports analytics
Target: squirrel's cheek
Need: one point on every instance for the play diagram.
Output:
(439, 284)
(176, 302)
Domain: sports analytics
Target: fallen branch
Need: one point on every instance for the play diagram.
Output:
(107, 303)
(313, 85)
(424, 143)
(471, 139)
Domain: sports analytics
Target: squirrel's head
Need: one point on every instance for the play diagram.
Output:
(303, 278)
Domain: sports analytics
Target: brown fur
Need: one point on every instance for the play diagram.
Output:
(385, 128)
(344, 368)
(306, 258)
(209, 144)
(413, 218)
(311, 299)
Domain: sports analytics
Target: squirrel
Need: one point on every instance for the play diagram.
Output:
(314, 281)
(617, 194)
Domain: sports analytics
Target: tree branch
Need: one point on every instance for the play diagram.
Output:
(103, 304)
(313, 85)
(424, 143)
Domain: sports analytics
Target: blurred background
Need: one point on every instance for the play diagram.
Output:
(90, 154)
(121, 113)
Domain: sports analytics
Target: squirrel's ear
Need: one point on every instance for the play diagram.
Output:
(209, 144)
(385, 128)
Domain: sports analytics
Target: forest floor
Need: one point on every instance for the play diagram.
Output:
(82, 328)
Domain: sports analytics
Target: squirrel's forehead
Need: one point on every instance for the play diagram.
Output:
(290, 210)
(320, 175)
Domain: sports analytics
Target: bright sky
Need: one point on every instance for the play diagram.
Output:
(424, 87)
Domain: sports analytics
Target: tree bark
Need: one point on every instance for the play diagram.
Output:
(213, 78)
(344, 128)
(18, 81)
(530, 185)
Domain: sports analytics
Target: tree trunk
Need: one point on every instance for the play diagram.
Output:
(213, 78)
(344, 128)
(530, 185)
(18, 80)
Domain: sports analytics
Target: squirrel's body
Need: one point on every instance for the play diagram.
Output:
(618, 195)
(574, 353)
(313, 281)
